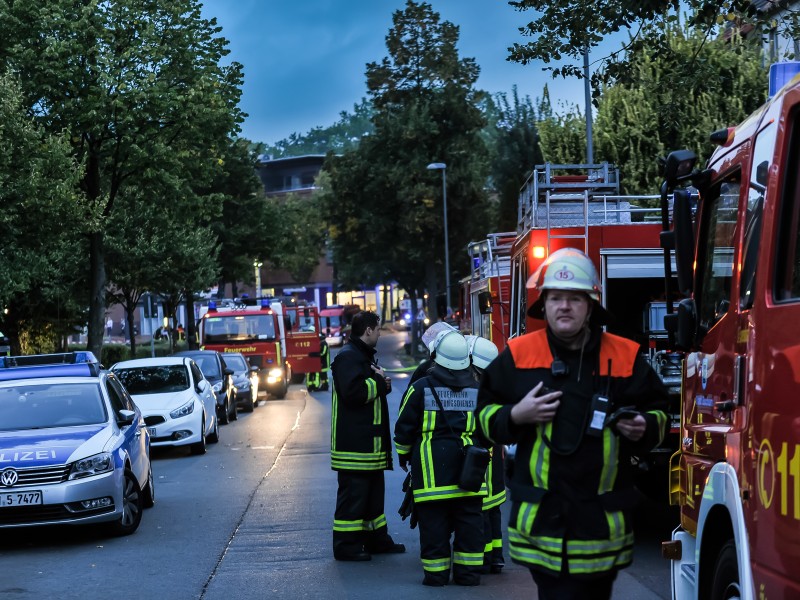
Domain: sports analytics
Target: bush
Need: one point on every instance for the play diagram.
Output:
(113, 353)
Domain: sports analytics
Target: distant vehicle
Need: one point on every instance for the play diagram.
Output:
(245, 379)
(74, 447)
(332, 324)
(220, 376)
(177, 402)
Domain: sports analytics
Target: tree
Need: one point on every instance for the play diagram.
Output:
(40, 226)
(516, 149)
(138, 88)
(636, 123)
(345, 134)
(563, 29)
(426, 110)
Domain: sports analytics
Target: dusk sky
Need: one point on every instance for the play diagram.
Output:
(304, 60)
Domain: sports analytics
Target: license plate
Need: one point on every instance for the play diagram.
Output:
(20, 498)
(151, 431)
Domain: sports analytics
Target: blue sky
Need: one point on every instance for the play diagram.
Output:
(304, 60)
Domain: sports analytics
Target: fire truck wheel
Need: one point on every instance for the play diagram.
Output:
(725, 585)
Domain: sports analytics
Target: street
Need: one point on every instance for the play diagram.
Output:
(252, 519)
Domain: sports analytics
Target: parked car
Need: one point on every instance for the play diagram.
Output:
(177, 402)
(245, 380)
(220, 376)
(74, 447)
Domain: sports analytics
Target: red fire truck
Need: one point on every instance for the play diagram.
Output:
(302, 339)
(259, 332)
(736, 477)
(579, 206)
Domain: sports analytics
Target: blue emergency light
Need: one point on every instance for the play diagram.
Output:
(37, 366)
(212, 306)
(780, 74)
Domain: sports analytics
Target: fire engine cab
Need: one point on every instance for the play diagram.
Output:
(736, 477)
(258, 332)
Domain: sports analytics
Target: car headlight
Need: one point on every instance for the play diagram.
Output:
(217, 387)
(276, 373)
(92, 465)
(184, 410)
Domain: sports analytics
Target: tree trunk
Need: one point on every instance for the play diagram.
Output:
(385, 303)
(191, 326)
(130, 307)
(97, 297)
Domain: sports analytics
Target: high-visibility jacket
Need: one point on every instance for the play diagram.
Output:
(435, 441)
(572, 493)
(360, 432)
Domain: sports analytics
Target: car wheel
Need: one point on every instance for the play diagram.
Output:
(235, 415)
(223, 415)
(250, 404)
(149, 492)
(132, 502)
(213, 437)
(199, 447)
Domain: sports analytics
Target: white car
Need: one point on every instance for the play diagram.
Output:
(177, 402)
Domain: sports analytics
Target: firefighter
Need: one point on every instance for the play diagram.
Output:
(572, 490)
(318, 381)
(435, 424)
(361, 446)
(427, 338)
(482, 352)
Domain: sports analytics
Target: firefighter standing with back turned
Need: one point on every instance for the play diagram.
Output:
(435, 423)
(572, 489)
(361, 445)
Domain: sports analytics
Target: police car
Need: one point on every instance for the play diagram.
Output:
(74, 448)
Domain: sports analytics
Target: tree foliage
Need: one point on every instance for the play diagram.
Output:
(342, 136)
(137, 87)
(40, 225)
(563, 29)
(636, 123)
(383, 207)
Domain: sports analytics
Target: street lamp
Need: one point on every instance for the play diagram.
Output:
(257, 266)
(443, 168)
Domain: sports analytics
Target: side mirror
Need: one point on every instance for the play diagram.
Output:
(125, 417)
(253, 369)
(682, 324)
(683, 227)
(485, 303)
(203, 386)
(227, 371)
(679, 166)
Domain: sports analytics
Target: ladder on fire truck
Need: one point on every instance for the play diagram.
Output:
(558, 196)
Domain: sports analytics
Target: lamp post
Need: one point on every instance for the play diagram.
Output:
(257, 266)
(443, 168)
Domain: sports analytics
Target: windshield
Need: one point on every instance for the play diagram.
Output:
(301, 322)
(43, 406)
(236, 362)
(334, 321)
(154, 380)
(238, 328)
(208, 365)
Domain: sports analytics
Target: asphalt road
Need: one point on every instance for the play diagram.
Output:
(252, 519)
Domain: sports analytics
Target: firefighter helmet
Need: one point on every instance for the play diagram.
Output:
(429, 336)
(481, 350)
(566, 269)
(450, 350)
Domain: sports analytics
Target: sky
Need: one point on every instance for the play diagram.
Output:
(305, 60)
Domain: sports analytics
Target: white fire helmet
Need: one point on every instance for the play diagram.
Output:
(451, 350)
(481, 350)
(565, 269)
(429, 336)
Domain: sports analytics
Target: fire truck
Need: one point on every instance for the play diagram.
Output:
(736, 477)
(258, 332)
(580, 206)
(302, 326)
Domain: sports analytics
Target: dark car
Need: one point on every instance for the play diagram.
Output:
(245, 379)
(220, 376)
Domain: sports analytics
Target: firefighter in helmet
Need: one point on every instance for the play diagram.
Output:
(482, 352)
(579, 403)
(318, 381)
(435, 424)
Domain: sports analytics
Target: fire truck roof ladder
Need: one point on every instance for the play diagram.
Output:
(559, 196)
